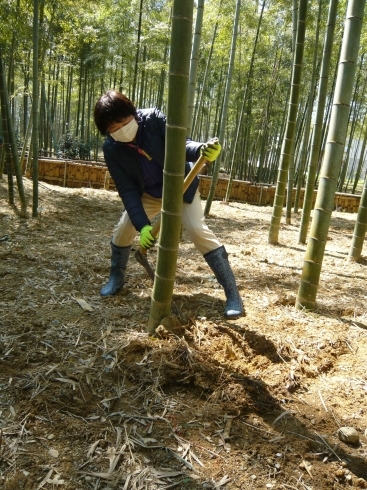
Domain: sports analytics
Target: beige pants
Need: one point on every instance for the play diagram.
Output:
(192, 220)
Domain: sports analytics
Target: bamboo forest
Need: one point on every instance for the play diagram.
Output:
(183, 194)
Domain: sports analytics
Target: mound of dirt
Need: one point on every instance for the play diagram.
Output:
(88, 400)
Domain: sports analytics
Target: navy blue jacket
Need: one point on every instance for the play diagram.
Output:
(125, 167)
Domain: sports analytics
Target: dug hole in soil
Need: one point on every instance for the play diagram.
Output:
(88, 400)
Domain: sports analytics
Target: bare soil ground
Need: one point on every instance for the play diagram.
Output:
(88, 400)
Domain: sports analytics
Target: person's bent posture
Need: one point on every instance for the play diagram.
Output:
(134, 152)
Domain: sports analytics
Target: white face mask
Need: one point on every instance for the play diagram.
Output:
(127, 133)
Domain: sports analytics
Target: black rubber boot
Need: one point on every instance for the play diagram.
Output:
(119, 258)
(218, 262)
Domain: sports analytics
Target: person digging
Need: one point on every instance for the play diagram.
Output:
(134, 151)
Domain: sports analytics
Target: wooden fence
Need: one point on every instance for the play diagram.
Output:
(70, 173)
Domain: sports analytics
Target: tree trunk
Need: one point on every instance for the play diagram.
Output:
(195, 124)
(290, 182)
(333, 157)
(35, 103)
(174, 162)
(360, 227)
(162, 80)
(80, 90)
(239, 124)
(133, 95)
(50, 126)
(10, 141)
(294, 24)
(353, 116)
(356, 151)
(69, 85)
(84, 96)
(6, 139)
(306, 134)
(326, 121)
(25, 144)
(26, 70)
(288, 142)
(194, 63)
(142, 101)
(225, 109)
(361, 159)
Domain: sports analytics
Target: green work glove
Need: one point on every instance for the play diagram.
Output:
(210, 151)
(146, 239)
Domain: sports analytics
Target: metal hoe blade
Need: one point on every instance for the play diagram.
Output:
(142, 259)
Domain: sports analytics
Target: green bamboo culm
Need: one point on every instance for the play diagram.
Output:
(353, 118)
(174, 163)
(2, 149)
(35, 105)
(310, 104)
(223, 122)
(360, 227)
(10, 143)
(6, 149)
(317, 130)
(332, 161)
(194, 64)
(25, 145)
(287, 152)
(2, 161)
(297, 26)
(361, 158)
(194, 125)
(53, 143)
(242, 111)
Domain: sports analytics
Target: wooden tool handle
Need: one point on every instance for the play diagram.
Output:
(188, 180)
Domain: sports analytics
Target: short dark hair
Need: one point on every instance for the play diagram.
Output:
(110, 108)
